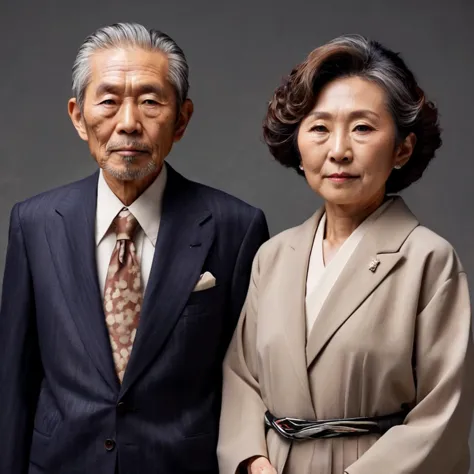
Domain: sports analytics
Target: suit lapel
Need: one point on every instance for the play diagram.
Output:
(72, 243)
(185, 237)
(356, 281)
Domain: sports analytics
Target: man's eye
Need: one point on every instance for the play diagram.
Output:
(150, 102)
(108, 102)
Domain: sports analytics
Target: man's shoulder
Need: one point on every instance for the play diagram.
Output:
(233, 218)
(48, 200)
(222, 204)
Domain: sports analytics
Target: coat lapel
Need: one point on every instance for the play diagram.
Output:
(293, 305)
(356, 281)
(185, 237)
(71, 237)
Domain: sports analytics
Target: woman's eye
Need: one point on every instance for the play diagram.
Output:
(363, 128)
(319, 129)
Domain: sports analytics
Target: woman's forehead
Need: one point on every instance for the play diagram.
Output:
(349, 95)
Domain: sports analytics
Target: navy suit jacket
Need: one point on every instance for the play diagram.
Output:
(63, 410)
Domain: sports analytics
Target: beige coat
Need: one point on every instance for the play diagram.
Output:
(374, 330)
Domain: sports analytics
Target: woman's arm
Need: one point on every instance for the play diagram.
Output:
(242, 429)
(435, 434)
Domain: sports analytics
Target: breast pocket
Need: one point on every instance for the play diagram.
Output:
(203, 302)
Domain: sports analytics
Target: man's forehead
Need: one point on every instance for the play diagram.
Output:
(128, 59)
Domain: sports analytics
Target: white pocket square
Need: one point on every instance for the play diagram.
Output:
(206, 281)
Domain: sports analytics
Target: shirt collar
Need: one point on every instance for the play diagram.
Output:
(146, 208)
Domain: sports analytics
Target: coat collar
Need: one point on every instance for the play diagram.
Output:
(356, 282)
(381, 243)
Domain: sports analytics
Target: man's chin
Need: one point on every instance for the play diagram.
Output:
(131, 172)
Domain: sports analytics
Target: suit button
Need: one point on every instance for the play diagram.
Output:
(121, 408)
(109, 444)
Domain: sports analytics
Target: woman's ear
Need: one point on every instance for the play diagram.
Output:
(405, 150)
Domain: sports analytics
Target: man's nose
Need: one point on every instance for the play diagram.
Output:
(129, 119)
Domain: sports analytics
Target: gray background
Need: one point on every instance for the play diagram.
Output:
(238, 52)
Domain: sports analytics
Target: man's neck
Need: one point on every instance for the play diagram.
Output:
(129, 191)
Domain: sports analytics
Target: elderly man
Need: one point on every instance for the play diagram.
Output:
(122, 290)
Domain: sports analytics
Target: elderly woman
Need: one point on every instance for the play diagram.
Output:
(353, 352)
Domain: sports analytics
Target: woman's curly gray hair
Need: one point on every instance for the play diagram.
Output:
(346, 56)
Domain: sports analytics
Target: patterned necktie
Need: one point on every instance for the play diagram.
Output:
(123, 291)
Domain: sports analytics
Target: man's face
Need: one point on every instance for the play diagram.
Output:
(130, 118)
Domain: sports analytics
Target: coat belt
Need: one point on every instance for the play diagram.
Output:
(297, 429)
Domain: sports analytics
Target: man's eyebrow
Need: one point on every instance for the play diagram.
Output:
(107, 88)
(151, 89)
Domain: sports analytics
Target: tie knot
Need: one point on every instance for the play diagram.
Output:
(125, 225)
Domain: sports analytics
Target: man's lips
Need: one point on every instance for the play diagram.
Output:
(129, 151)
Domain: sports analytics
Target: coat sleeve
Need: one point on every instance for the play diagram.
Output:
(242, 431)
(434, 437)
(20, 368)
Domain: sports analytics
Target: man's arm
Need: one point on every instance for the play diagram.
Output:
(256, 235)
(20, 365)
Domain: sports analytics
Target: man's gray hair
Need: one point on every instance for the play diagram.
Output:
(388, 70)
(130, 35)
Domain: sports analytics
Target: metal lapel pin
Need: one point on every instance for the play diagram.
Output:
(374, 263)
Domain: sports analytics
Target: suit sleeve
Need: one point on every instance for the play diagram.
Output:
(434, 437)
(19, 355)
(242, 431)
(255, 236)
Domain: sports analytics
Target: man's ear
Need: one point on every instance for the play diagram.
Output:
(405, 150)
(185, 115)
(76, 118)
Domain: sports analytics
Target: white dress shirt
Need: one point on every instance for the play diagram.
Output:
(146, 209)
(321, 278)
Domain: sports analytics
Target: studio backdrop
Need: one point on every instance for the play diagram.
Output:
(238, 52)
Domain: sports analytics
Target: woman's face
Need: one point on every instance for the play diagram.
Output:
(348, 143)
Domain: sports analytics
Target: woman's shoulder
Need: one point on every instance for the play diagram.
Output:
(432, 258)
(289, 237)
(275, 254)
(273, 247)
(429, 245)
(420, 246)
(282, 238)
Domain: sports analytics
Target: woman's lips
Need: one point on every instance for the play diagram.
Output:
(341, 177)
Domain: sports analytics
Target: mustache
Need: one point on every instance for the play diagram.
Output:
(136, 145)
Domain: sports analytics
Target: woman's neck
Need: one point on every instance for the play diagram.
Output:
(341, 221)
